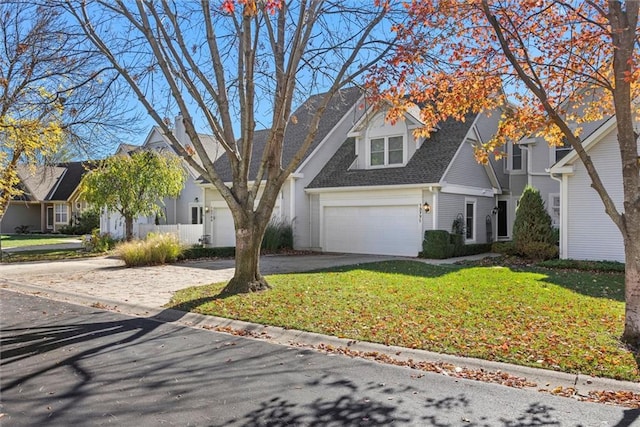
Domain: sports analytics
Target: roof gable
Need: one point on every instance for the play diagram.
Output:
(51, 182)
(426, 166)
(297, 130)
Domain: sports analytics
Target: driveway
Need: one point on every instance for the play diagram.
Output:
(108, 278)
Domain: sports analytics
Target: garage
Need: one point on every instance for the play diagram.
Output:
(382, 230)
(224, 233)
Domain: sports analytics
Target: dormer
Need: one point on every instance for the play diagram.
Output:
(381, 144)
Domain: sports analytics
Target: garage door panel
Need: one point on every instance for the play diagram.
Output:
(386, 230)
(224, 233)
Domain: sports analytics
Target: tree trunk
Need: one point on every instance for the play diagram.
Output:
(128, 228)
(247, 277)
(631, 333)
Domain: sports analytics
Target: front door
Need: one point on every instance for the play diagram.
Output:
(503, 229)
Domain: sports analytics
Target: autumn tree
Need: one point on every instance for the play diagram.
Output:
(134, 185)
(559, 63)
(52, 94)
(231, 64)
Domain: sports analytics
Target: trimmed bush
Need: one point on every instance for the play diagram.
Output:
(504, 248)
(538, 250)
(83, 224)
(473, 249)
(97, 242)
(437, 244)
(155, 249)
(197, 252)
(278, 235)
(457, 240)
(533, 234)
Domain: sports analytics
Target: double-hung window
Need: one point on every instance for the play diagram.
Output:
(516, 158)
(386, 151)
(61, 214)
(469, 216)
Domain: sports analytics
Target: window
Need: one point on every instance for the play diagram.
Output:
(61, 214)
(562, 150)
(196, 214)
(386, 151)
(516, 157)
(470, 210)
(49, 217)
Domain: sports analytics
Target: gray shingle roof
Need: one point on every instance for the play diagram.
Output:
(427, 165)
(296, 132)
(49, 183)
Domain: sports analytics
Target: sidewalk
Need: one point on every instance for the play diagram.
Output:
(106, 283)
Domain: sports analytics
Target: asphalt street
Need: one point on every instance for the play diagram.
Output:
(69, 365)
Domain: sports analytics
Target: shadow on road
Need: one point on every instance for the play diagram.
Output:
(71, 365)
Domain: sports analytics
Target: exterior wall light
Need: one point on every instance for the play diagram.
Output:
(426, 207)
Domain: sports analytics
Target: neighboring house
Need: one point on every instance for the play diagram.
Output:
(186, 209)
(50, 198)
(293, 204)
(527, 163)
(586, 231)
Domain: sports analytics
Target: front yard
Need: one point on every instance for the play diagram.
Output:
(21, 240)
(554, 319)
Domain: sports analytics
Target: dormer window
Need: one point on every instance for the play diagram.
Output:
(386, 151)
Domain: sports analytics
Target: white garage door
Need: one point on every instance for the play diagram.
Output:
(224, 233)
(383, 230)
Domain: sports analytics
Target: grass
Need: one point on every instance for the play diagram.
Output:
(22, 240)
(155, 249)
(46, 255)
(563, 320)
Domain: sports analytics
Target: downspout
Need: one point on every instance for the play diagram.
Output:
(563, 215)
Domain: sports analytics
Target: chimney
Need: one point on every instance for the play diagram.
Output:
(179, 132)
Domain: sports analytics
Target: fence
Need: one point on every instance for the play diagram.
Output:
(187, 233)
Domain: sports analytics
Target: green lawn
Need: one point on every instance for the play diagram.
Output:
(47, 255)
(562, 320)
(21, 240)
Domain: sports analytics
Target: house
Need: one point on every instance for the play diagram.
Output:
(293, 205)
(50, 199)
(187, 209)
(586, 231)
(384, 187)
(369, 186)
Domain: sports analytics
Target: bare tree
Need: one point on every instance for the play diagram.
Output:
(225, 62)
(54, 93)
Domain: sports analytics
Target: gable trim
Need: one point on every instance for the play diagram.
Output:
(425, 186)
(594, 138)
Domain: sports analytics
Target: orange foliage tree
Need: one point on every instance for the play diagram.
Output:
(554, 65)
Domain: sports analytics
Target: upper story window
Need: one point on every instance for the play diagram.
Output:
(386, 151)
(516, 157)
(562, 150)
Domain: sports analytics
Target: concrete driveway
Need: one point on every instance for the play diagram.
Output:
(108, 278)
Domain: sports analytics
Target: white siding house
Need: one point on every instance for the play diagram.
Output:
(587, 232)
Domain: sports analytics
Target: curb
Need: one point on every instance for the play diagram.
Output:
(545, 380)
